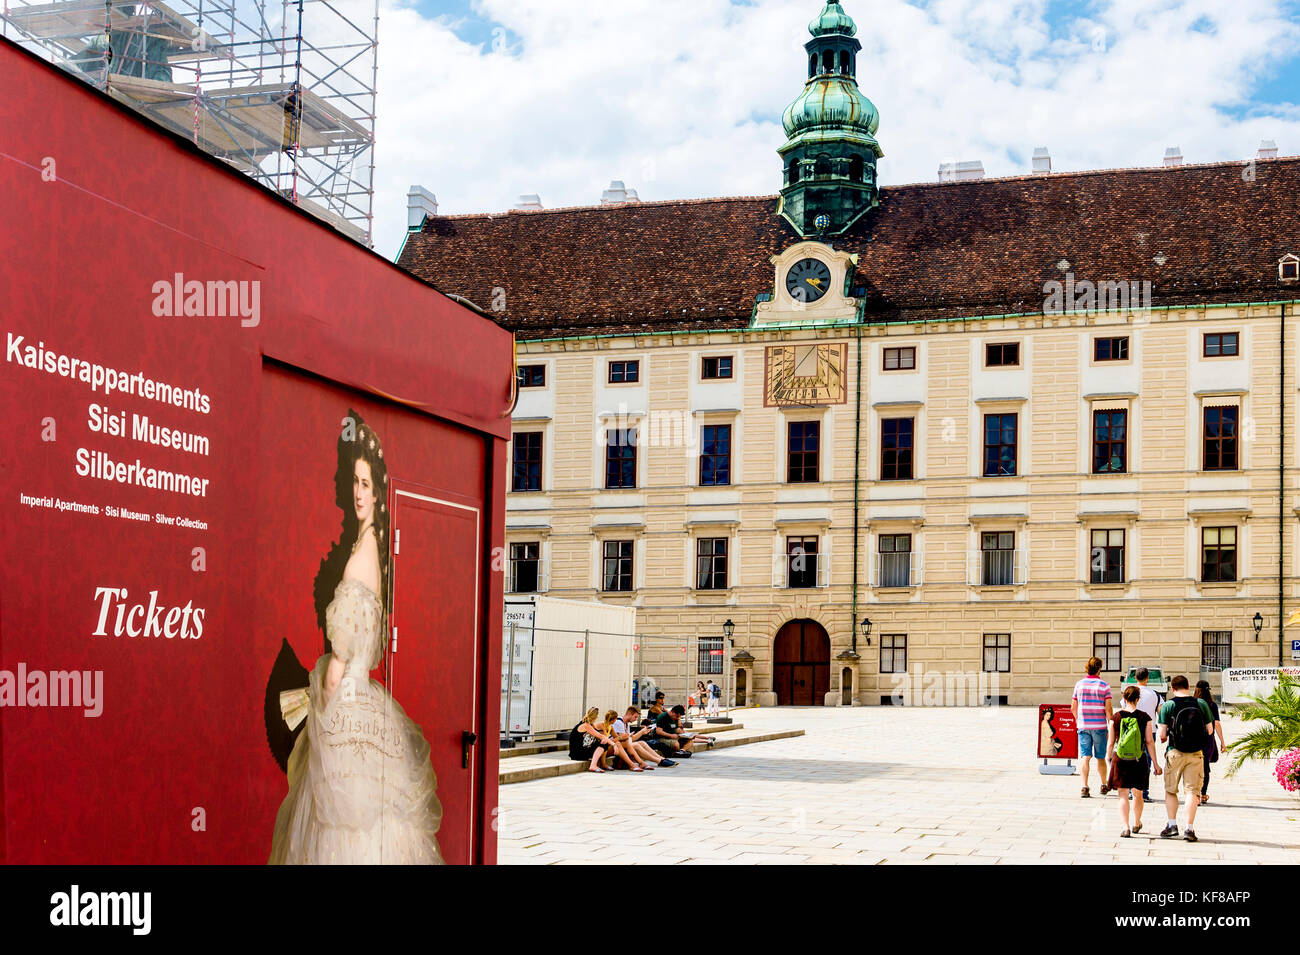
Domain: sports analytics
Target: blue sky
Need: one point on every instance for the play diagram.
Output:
(1276, 83)
(482, 100)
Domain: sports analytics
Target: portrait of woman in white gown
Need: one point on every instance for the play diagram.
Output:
(361, 785)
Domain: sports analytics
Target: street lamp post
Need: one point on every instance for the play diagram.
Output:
(866, 630)
(728, 629)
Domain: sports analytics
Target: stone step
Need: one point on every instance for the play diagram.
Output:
(530, 767)
(539, 746)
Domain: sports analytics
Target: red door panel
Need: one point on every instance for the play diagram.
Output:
(781, 684)
(433, 671)
(803, 680)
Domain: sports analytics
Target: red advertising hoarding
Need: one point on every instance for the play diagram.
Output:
(255, 475)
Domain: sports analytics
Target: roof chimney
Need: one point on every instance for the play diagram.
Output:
(1042, 162)
(616, 193)
(528, 202)
(1173, 156)
(961, 171)
(420, 202)
(1267, 149)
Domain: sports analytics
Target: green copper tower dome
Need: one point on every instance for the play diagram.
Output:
(833, 19)
(831, 150)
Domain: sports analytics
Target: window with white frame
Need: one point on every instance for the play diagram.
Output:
(801, 561)
(616, 566)
(711, 563)
(1220, 434)
(1218, 554)
(525, 567)
(997, 653)
(1106, 646)
(1106, 556)
(893, 653)
(900, 359)
(997, 558)
(894, 554)
(715, 367)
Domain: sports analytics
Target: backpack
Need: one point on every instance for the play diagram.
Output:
(1187, 726)
(1129, 745)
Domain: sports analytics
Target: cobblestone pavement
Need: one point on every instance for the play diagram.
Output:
(881, 784)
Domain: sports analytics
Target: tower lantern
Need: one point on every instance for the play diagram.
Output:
(831, 150)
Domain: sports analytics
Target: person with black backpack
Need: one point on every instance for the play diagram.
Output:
(1185, 724)
(1131, 743)
(1203, 692)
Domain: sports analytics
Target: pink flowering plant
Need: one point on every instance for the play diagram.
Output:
(1287, 771)
(1274, 732)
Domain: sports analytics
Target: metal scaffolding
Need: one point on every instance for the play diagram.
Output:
(283, 90)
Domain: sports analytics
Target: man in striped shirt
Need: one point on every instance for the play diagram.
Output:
(1092, 710)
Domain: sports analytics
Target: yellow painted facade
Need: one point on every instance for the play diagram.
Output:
(1163, 503)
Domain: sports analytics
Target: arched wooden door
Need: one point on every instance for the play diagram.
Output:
(801, 664)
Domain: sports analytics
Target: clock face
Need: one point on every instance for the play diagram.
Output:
(806, 375)
(808, 280)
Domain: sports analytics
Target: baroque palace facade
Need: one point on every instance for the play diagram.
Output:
(1012, 422)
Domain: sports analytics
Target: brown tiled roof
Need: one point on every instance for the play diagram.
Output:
(931, 250)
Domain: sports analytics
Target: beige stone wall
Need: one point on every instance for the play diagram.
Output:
(1051, 504)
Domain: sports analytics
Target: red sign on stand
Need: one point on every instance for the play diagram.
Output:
(1058, 737)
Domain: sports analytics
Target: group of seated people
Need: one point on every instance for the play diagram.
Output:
(632, 741)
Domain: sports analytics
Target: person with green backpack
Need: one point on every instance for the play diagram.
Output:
(1131, 741)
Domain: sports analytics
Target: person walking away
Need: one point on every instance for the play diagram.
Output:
(715, 698)
(1148, 703)
(1131, 750)
(1093, 709)
(1185, 724)
(1212, 751)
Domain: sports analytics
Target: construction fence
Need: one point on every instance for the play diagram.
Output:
(554, 675)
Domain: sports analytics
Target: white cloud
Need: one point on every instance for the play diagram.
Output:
(682, 98)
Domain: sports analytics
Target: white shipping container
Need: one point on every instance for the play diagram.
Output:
(516, 709)
(575, 652)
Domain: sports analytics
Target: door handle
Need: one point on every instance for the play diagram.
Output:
(467, 739)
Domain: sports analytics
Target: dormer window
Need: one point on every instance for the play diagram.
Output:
(828, 61)
(812, 66)
(855, 169)
(844, 62)
(1288, 268)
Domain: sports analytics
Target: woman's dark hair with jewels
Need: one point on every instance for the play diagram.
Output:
(357, 440)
